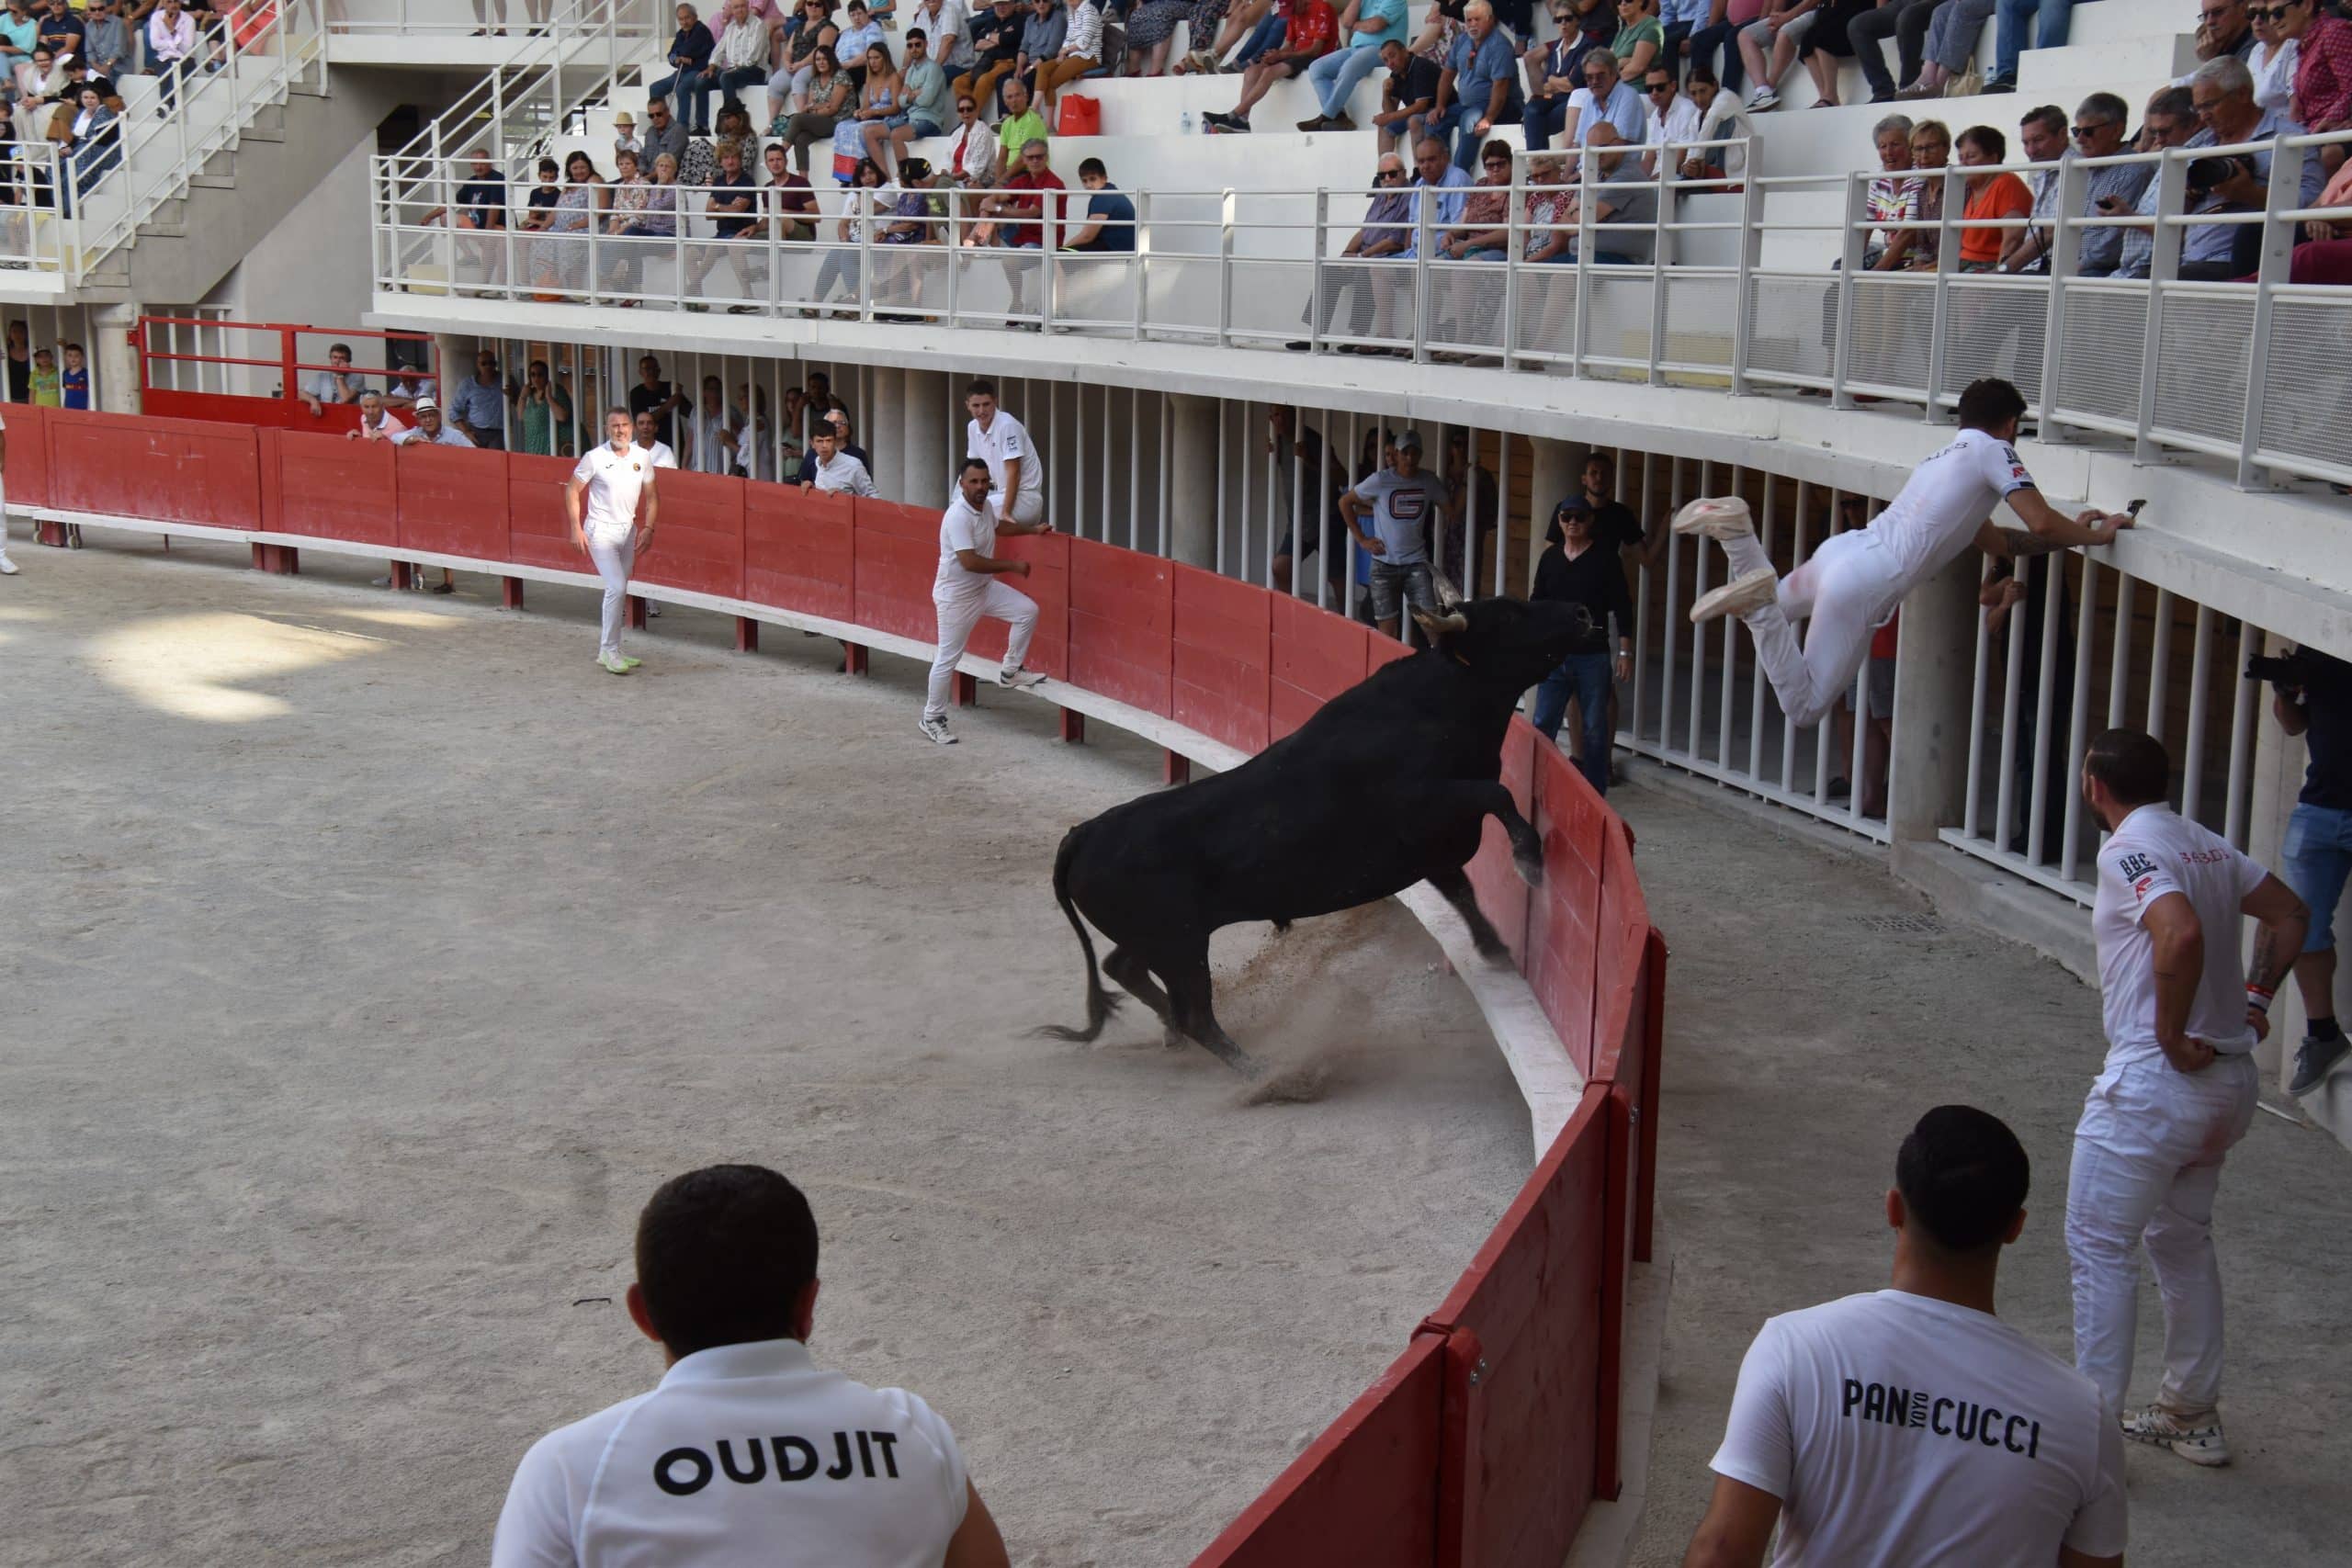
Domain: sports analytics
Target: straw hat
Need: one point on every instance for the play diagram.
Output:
(625, 121)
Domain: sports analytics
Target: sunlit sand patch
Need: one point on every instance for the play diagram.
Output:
(198, 666)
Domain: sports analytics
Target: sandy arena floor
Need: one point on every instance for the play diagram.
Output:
(371, 958)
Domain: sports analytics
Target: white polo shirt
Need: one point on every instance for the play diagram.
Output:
(962, 528)
(1936, 514)
(743, 1454)
(660, 454)
(1897, 1429)
(1004, 439)
(2152, 853)
(616, 479)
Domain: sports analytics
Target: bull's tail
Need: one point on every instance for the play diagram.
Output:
(1100, 1003)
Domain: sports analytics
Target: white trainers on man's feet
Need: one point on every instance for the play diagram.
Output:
(936, 730)
(1755, 591)
(1722, 517)
(7, 567)
(1018, 678)
(2195, 1439)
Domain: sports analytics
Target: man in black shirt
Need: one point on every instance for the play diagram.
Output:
(1579, 569)
(2313, 698)
(996, 50)
(654, 396)
(1409, 95)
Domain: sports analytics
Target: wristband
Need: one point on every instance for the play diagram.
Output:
(2258, 999)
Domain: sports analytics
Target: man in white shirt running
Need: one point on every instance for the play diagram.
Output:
(1016, 476)
(747, 1451)
(648, 439)
(601, 501)
(970, 585)
(1852, 583)
(1911, 1426)
(836, 472)
(2177, 1089)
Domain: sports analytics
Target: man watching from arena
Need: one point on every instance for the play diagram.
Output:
(1017, 477)
(1402, 502)
(1855, 579)
(648, 440)
(1910, 1425)
(836, 472)
(746, 1450)
(2182, 1014)
(2315, 702)
(970, 585)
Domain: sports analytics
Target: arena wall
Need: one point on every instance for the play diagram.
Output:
(1487, 1441)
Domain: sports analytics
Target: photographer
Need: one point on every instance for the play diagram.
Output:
(2313, 698)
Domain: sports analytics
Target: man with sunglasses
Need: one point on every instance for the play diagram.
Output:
(1017, 209)
(2098, 133)
(2222, 28)
(1673, 119)
(1386, 231)
(2170, 122)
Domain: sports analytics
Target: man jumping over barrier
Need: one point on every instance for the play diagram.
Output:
(1853, 582)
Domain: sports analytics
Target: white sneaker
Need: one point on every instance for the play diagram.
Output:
(613, 662)
(2196, 1440)
(7, 567)
(935, 729)
(1018, 678)
(1764, 101)
(1724, 517)
(1753, 591)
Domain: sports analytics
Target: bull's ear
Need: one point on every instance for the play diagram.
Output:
(1442, 626)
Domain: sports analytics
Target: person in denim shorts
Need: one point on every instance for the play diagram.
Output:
(1402, 501)
(2312, 697)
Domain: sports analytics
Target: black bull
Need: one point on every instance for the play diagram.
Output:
(1388, 784)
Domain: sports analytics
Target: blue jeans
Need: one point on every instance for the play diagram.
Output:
(1706, 40)
(1455, 127)
(1333, 77)
(1267, 34)
(2317, 858)
(702, 84)
(2049, 32)
(678, 87)
(1584, 676)
(1544, 118)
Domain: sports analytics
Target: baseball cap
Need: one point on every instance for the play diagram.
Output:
(1408, 441)
(1573, 506)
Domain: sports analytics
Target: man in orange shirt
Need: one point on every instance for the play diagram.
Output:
(1311, 33)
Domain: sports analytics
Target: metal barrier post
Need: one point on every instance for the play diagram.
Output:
(2278, 256)
(1142, 267)
(1514, 249)
(1751, 255)
(1224, 284)
(864, 199)
(1315, 275)
(1947, 263)
(2163, 268)
(1582, 317)
(1424, 208)
(1662, 242)
(2065, 257)
(1852, 242)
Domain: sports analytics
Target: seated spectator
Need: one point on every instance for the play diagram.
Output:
(1905, 21)
(924, 103)
(2224, 28)
(972, 159)
(1604, 99)
(376, 421)
(1432, 170)
(2051, 19)
(646, 229)
(663, 133)
(1024, 210)
(911, 222)
(60, 29)
(171, 45)
(1990, 196)
(1550, 199)
(1244, 20)
(1781, 30)
(1578, 569)
(1554, 72)
(2325, 255)
(863, 33)
(1407, 97)
(1386, 231)
(844, 263)
(1619, 197)
(1082, 51)
(1105, 220)
(995, 48)
(1022, 125)
(1640, 43)
(1151, 30)
(40, 86)
(626, 139)
(1368, 24)
(1042, 35)
(19, 30)
(738, 60)
(827, 100)
(1891, 200)
(879, 102)
(336, 383)
(1680, 18)
(731, 204)
(689, 55)
(1950, 46)
(431, 429)
(1726, 21)
(2273, 60)
(1931, 154)
(90, 136)
(1722, 117)
(1478, 87)
(481, 210)
(2170, 120)
(2041, 136)
(1828, 41)
(1484, 233)
(2099, 129)
(1673, 119)
(1310, 33)
(478, 405)
(105, 41)
(792, 205)
(810, 35)
(406, 389)
(943, 23)
(1821, 1443)
(727, 1285)
(2223, 94)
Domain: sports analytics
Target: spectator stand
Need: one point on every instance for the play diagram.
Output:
(254, 373)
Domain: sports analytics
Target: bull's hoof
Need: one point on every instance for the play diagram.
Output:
(1292, 1086)
(1172, 1038)
(1493, 949)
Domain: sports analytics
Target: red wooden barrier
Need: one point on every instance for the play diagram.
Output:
(169, 470)
(897, 559)
(1365, 1494)
(27, 459)
(1560, 921)
(327, 487)
(453, 504)
(798, 551)
(1221, 646)
(539, 532)
(1523, 1330)
(1315, 656)
(1122, 625)
(1048, 585)
(263, 413)
(698, 537)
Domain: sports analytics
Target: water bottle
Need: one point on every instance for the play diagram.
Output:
(1188, 123)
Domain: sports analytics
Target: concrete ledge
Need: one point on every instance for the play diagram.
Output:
(1966, 888)
(1613, 1529)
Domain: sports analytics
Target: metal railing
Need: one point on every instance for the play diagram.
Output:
(516, 111)
(35, 233)
(1735, 290)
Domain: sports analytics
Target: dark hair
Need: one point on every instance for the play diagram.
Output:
(549, 167)
(1987, 141)
(979, 387)
(914, 33)
(970, 464)
(1963, 1176)
(2106, 107)
(2130, 764)
(1604, 459)
(1701, 73)
(723, 1256)
(1498, 148)
(2049, 117)
(1091, 166)
(2173, 103)
(336, 348)
(1989, 401)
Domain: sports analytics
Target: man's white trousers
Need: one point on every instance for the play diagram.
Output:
(958, 615)
(613, 557)
(2148, 1155)
(1846, 590)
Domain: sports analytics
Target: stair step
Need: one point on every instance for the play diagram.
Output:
(263, 133)
(162, 231)
(213, 182)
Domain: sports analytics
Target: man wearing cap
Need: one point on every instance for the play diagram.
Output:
(600, 502)
(431, 430)
(746, 1450)
(1402, 502)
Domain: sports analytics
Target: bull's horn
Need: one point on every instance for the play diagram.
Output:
(1440, 625)
(1448, 594)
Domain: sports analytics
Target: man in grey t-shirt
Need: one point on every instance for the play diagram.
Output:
(1403, 501)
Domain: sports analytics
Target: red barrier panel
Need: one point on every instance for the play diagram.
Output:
(1501, 893)
(539, 532)
(898, 559)
(261, 414)
(799, 552)
(1523, 1359)
(1621, 936)
(1560, 934)
(1122, 625)
(453, 503)
(1048, 585)
(1364, 1495)
(698, 537)
(27, 461)
(1221, 648)
(168, 471)
(1379, 650)
(1315, 656)
(327, 487)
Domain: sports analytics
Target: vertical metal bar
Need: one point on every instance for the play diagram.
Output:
(1788, 728)
(1699, 629)
(2246, 703)
(1661, 249)
(1424, 208)
(1751, 254)
(2070, 839)
(1135, 468)
(2120, 655)
(1224, 406)
(1641, 598)
(2065, 260)
(1755, 666)
(2278, 253)
(2192, 767)
(1347, 541)
(1225, 276)
(1947, 265)
(1667, 640)
(2053, 613)
(2159, 660)
(2163, 268)
(1823, 732)
(1167, 471)
(1731, 656)
(1972, 792)
(1298, 518)
(1852, 242)
(1315, 303)
(1502, 510)
(1861, 699)
(2013, 671)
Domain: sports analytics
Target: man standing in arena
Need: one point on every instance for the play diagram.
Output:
(1017, 477)
(1853, 582)
(610, 480)
(2177, 1090)
(1910, 1425)
(968, 587)
(747, 1450)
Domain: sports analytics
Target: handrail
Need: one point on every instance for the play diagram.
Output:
(519, 107)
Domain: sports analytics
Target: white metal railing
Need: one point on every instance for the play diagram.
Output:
(517, 111)
(33, 232)
(1734, 291)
